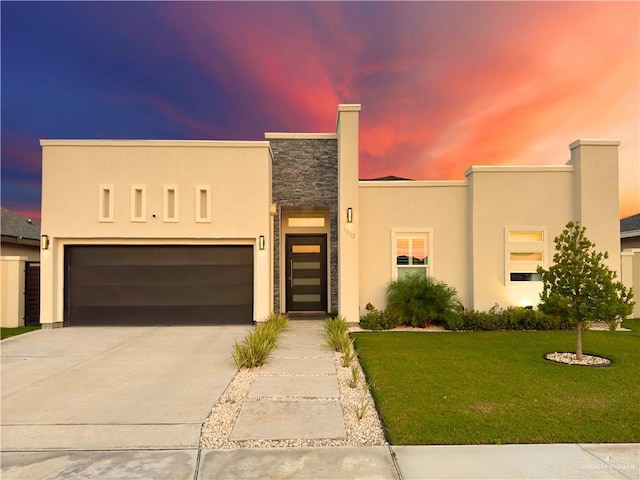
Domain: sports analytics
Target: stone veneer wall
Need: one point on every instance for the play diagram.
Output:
(305, 174)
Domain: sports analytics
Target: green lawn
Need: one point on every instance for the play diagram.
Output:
(12, 332)
(495, 387)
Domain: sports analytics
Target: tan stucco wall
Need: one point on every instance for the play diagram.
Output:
(348, 197)
(12, 291)
(509, 198)
(440, 207)
(469, 222)
(596, 197)
(32, 253)
(238, 175)
(630, 275)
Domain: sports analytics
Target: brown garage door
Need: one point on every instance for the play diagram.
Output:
(158, 285)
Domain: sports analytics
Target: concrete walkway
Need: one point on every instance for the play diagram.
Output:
(296, 395)
(63, 392)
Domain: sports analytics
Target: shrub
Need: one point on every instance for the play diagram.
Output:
(510, 318)
(377, 319)
(420, 301)
(258, 344)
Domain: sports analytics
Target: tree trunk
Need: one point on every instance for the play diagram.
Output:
(579, 340)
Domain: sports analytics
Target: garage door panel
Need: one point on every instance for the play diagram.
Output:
(96, 275)
(164, 315)
(112, 295)
(162, 254)
(140, 285)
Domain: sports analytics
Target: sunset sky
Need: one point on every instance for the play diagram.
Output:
(443, 85)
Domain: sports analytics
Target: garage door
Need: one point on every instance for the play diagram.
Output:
(158, 285)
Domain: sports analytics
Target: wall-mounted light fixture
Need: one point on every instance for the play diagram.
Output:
(261, 242)
(349, 215)
(45, 242)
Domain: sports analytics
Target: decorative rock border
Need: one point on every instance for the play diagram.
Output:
(569, 358)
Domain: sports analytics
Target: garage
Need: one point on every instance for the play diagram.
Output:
(158, 285)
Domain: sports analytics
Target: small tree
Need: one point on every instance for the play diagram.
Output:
(579, 286)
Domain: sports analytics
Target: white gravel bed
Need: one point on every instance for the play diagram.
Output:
(357, 400)
(571, 359)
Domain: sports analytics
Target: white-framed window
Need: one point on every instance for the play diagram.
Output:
(525, 251)
(138, 203)
(170, 203)
(411, 252)
(203, 203)
(105, 203)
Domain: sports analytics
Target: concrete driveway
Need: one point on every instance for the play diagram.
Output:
(113, 388)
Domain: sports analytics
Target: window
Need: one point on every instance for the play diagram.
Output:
(410, 254)
(203, 203)
(306, 221)
(105, 203)
(138, 203)
(525, 251)
(170, 203)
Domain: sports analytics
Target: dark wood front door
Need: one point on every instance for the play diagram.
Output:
(306, 267)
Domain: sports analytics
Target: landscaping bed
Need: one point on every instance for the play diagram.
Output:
(496, 387)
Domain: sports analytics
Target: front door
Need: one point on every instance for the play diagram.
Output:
(306, 267)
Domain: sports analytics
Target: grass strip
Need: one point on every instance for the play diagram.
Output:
(12, 332)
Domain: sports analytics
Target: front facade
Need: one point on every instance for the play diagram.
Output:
(200, 232)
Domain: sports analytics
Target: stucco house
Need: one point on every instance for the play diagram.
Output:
(630, 232)
(197, 232)
(19, 269)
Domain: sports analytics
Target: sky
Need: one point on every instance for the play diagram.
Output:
(443, 85)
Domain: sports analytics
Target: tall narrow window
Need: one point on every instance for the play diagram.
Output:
(525, 251)
(105, 203)
(170, 203)
(410, 254)
(138, 203)
(203, 203)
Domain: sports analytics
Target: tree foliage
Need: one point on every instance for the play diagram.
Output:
(579, 286)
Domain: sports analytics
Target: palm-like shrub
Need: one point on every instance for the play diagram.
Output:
(419, 301)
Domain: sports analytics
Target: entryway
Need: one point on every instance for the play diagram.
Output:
(306, 273)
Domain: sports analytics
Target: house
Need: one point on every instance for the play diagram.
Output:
(630, 266)
(19, 269)
(197, 232)
(630, 232)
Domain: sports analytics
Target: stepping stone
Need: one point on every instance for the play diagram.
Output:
(264, 420)
(292, 386)
(299, 365)
(290, 340)
(302, 351)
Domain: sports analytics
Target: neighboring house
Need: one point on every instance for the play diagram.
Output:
(19, 271)
(630, 232)
(630, 267)
(193, 232)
